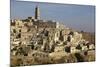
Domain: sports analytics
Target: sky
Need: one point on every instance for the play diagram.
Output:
(78, 17)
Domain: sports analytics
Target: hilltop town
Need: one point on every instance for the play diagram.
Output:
(35, 41)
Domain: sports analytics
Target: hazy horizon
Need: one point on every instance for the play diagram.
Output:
(78, 17)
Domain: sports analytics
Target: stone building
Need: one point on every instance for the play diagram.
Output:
(47, 40)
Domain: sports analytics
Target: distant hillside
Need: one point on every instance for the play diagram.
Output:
(89, 36)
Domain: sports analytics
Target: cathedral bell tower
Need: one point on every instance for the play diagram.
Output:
(37, 13)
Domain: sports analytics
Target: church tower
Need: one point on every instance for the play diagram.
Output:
(37, 13)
